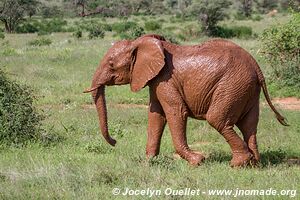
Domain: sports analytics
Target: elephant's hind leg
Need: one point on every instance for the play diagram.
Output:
(219, 118)
(248, 127)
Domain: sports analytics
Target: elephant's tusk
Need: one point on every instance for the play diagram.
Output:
(90, 89)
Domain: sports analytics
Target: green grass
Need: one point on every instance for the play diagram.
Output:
(78, 164)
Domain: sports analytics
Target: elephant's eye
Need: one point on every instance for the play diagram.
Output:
(110, 64)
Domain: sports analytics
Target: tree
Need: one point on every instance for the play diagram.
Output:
(13, 11)
(281, 47)
(245, 7)
(210, 13)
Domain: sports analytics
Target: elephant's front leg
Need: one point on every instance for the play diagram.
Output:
(176, 115)
(156, 125)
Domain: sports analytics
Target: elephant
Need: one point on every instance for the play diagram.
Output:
(217, 81)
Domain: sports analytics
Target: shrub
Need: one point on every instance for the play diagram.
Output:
(256, 17)
(87, 25)
(210, 13)
(96, 32)
(242, 31)
(281, 47)
(2, 36)
(53, 11)
(191, 31)
(54, 25)
(234, 31)
(77, 34)
(19, 119)
(265, 6)
(27, 27)
(133, 33)
(40, 42)
(121, 27)
(44, 26)
(152, 25)
(42, 32)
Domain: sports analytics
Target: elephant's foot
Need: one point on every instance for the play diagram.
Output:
(241, 159)
(195, 158)
(255, 159)
(151, 155)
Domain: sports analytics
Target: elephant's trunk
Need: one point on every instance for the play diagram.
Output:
(99, 99)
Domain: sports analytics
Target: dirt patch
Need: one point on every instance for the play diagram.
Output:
(289, 103)
(91, 106)
(293, 161)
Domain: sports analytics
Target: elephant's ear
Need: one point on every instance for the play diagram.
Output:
(149, 60)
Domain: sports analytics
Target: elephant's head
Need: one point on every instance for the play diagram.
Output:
(127, 61)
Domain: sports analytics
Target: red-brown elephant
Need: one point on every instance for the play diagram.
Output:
(217, 81)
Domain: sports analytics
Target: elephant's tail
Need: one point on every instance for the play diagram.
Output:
(262, 82)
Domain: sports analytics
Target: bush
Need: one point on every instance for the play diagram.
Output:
(96, 32)
(121, 27)
(281, 47)
(2, 36)
(191, 31)
(256, 17)
(242, 31)
(235, 31)
(210, 13)
(53, 11)
(133, 33)
(44, 26)
(54, 25)
(152, 25)
(40, 42)
(27, 27)
(87, 25)
(77, 33)
(19, 119)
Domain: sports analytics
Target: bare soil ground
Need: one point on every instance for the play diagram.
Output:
(288, 103)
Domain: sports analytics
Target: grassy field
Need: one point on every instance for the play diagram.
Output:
(78, 164)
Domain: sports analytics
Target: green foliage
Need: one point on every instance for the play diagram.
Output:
(96, 32)
(243, 32)
(77, 33)
(121, 27)
(245, 7)
(53, 25)
(281, 47)
(88, 24)
(190, 32)
(50, 11)
(19, 119)
(264, 6)
(290, 4)
(2, 36)
(210, 13)
(28, 27)
(40, 42)
(44, 26)
(171, 37)
(256, 17)
(133, 33)
(96, 146)
(152, 25)
(13, 11)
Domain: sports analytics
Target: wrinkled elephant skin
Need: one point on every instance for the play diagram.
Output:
(216, 81)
